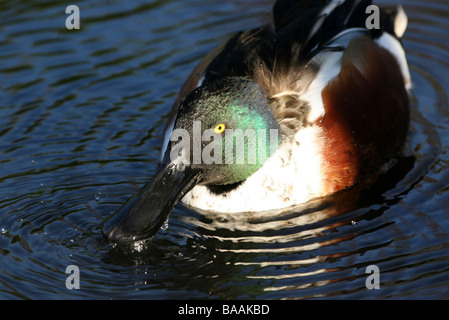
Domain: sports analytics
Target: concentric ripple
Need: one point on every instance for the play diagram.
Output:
(82, 116)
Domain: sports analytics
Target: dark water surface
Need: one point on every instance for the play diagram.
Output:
(81, 120)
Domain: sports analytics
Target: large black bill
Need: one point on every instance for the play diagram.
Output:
(145, 212)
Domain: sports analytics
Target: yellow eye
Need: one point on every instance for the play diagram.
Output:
(220, 128)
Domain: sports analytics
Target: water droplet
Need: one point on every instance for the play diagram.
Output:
(97, 196)
(165, 225)
(138, 246)
(354, 223)
(4, 230)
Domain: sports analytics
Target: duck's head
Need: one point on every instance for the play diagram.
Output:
(223, 133)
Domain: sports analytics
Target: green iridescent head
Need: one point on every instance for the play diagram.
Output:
(227, 130)
(223, 133)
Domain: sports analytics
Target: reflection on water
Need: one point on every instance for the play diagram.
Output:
(82, 115)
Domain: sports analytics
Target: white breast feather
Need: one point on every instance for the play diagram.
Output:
(291, 176)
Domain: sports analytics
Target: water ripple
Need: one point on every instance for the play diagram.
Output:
(82, 117)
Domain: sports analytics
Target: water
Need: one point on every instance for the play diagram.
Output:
(82, 116)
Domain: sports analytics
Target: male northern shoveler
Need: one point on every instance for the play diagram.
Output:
(334, 93)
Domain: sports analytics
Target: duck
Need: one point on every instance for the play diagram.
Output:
(303, 107)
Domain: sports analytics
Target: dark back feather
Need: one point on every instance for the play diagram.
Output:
(276, 56)
(299, 30)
